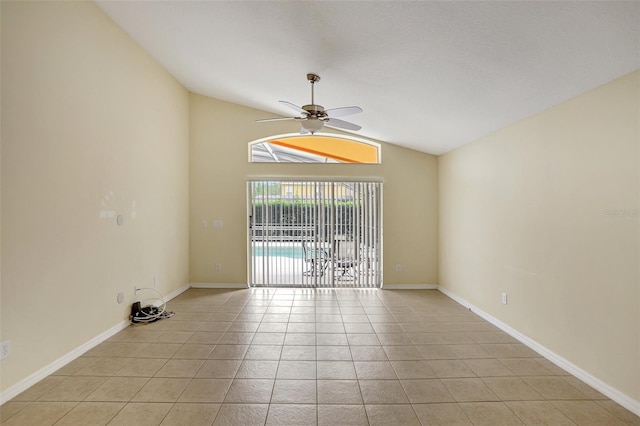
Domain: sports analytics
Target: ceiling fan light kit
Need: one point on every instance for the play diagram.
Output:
(314, 117)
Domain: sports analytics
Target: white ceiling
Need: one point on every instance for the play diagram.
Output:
(429, 75)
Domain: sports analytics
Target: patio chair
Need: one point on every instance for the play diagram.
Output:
(317, 259)
(345, 261)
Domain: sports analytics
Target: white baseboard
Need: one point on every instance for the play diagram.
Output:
(409, 286)
(219, 285)
(34, 378)
(602, 387)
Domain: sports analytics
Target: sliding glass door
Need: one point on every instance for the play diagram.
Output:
(315, 233)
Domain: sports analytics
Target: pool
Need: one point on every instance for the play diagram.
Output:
(293, 252)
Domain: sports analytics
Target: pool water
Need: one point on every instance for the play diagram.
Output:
(293, 252)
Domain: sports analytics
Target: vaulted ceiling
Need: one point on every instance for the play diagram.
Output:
(430, 76)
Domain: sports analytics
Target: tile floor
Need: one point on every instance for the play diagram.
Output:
(306, 357)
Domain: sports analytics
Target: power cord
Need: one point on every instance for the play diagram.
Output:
(150, 312)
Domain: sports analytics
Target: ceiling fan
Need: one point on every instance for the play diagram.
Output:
(314, 117)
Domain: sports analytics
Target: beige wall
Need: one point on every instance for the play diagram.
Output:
(90, 125)
(220, 132)
(525, 211)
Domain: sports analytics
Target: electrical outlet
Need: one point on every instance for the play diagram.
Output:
(218, 266)
(218, 224)
(5, 349)
(504, 298)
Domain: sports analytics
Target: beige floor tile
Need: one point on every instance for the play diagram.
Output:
(362, 339)
(422, 391)
(447, 414)
(10, 409)
(488, 368)
(257, 369)
(264, 352)
(243, 327)
(620, 412)
(219, 369)
(587, 413)
(413, 369)
(268, 339)
(333, 353)
(102, 367)
(469, 351)
(336, 370)
(242, 414)
(73, 388)
(394, 339)
(297, 370)
(509, 350)
(387, 328)
(39, 389)
(250, 391)
(230, 338)
(215, 326)
(330, 327)
(91, 413)
(159, 350)
(300, 339)
(368, 353)
(382, 392)
(525, 366)
(116, 349)
(191, 414)
(587, 390)
(374, 370)
(437, 352)
(469, 390)
(489, 414)
(193, 352)
(229, 352)
(343, 415)
(294, 392)
(141, 367)
(451, 368)
(339, 392)
(403, 353)
(40, 413)
(118, 389)
(538, 413)
(391, 415)
(141, 414)
(161, 390)
(205, 390)
(491, 337)
(299, 353)
(272, 327)
(358, 327)
(205, 337)
(511, 389)
(332, 339)
(74, 366)
(175, 336)
(554, 388)
(180, 368)
(286, 414)
(301, 327)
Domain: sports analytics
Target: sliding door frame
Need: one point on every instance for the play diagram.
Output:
(316, 179)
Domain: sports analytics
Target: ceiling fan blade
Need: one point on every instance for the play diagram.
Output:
(294, 107)
(341, 112)
(341, 124)
(276, 119)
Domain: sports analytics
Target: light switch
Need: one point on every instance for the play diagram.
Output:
(203, 224)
